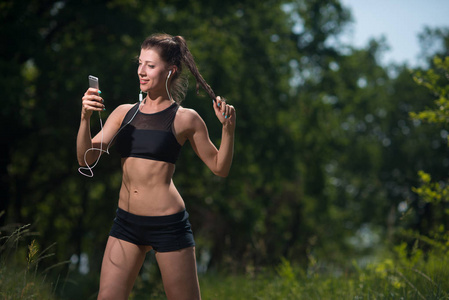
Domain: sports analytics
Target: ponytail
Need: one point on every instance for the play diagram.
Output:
(189, 61)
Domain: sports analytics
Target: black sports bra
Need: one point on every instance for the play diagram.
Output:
(149, 136)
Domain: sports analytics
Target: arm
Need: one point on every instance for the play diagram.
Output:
(93, 102)
(219, 161)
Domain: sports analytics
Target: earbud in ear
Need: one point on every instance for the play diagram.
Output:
(169, 73)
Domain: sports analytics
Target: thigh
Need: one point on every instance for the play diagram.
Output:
(179, 274)
(121, 265)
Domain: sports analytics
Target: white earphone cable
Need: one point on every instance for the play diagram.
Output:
(87, 170)
(166, 86)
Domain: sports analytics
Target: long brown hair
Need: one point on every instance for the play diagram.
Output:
(174, 51)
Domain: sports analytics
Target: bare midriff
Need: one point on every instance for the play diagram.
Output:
(147, 188)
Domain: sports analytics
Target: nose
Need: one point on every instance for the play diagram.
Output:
(141, 70)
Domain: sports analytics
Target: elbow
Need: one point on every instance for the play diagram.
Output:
(221, 169)
(87, 160)
(81, 163)
(222, 173)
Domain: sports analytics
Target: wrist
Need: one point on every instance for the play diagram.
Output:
(229, 128)
(85, 115)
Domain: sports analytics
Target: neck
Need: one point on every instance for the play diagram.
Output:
(153, 104)
(156, 99)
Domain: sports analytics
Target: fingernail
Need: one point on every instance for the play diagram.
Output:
(226, 117)
(218, 104)
(99, 92)
(223, 114)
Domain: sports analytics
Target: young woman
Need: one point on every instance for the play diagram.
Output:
(149, 135)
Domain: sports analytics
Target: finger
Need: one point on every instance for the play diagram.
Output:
(93, 91)
(217, 101)
(231, 112)
(216, 107)
(93, 103)
(221, 103)
(223, 106)
(91, 97)
(227, 110)
(223, 111)
(93, 106)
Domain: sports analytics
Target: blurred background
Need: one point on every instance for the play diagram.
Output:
(326, 154)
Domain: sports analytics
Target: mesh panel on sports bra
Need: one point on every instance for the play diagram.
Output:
(162, 120)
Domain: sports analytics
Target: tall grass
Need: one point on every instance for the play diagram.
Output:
(403, 275)
(20, 277)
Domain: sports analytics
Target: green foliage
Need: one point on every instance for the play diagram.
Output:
(432, 192)
(436, 80)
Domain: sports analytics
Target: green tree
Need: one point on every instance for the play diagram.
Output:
(434, 194)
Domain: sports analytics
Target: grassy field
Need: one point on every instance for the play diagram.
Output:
(403, 276)
(383, 280)
(400, 274)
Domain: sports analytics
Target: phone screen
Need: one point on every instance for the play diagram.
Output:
(93, 82)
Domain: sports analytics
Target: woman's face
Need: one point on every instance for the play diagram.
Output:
(152, 71)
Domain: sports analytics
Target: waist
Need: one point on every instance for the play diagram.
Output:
(152, 220)
(150, 201)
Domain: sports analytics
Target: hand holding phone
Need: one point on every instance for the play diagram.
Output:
(94, 100)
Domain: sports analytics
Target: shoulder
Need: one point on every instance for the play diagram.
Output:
(122, 109)
(188, 122)
(188, 117)
(187, 114)
(119, 113)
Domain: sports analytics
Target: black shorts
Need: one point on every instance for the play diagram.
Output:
(163, 233)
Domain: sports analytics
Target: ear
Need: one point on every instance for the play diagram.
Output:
(173, 70)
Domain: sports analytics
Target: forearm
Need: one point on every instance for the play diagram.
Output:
(84, 143)
(226, 151)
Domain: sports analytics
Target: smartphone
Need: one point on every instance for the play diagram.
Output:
(93, 82)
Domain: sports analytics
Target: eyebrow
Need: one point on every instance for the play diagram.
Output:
(146, 60)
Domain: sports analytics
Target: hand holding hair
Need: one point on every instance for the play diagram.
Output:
(224, 112)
